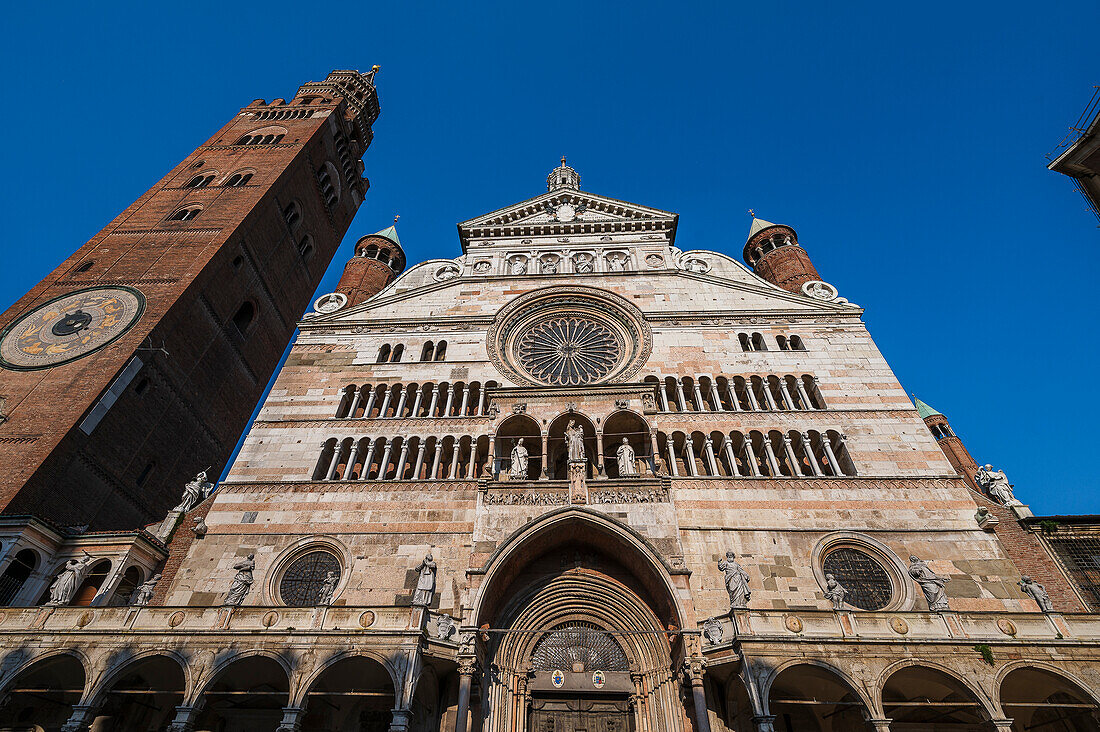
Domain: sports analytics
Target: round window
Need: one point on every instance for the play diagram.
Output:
(303, 581)
(867, 582)
(568, 351)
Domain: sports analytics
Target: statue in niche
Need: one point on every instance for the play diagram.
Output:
(66, 584)
(996, 483)
(737, 582)
(1036, 592)
(549, 265)
(425, 585)
(574, 438)
(625, 454)
(616, 262)
(194, 492)
(242, 582)
(518, 469)
(328, 588)
(144, 592)
(834, 592)
(518, 266)
(930, 583)
(582, 263)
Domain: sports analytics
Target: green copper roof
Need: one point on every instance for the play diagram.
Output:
(757, 225)
(924, 410)
(390, 232)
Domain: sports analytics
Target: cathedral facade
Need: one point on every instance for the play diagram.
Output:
(579, 477)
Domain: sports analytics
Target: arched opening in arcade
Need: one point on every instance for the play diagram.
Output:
(919, 698)
(15, 575)
(142, 696)
(42, 696)
(1038, 699)
(511, 431)
(557, 445)
(630, 429)
(811, 698)
(578, 611)
(355, 692)
(248, 694)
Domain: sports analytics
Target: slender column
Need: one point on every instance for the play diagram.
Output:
(731, 391)
(672, 469)
(715, 399)
(680, 395)
(727, 447)
(81, 717)
(767, 389)
(367, 459)
(185, 719)
(788, 447)
(450, 400)
(708, 451)
(1001, 725)
(881, 725)
(465, 400)
(419, 459)
(807, 403)
(769, 453)
(292, 719)
(370, 402)
(385, 403)
(750, 456)
(401, 459)
(699, 403)
(764, 723)
(351, 460)
(694, 669)
(834, 464)
(416, 402)
(664, 398)
(751, 394)
(545, 456)
(355, 401)
(786, 393)
(653, 451)
(400, 411)
(465, 677)
(808, 447)
(451, 474)
(401, 720)
(481, 400)
(689, 455)
(491, 463)
(473, 460)
(331, 474)
(817, 386)
(435, 399)
(599, 455)
(385, 460)
(436, 459)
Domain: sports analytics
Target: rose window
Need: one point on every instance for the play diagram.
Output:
(568, 351)
(301, 583)
(867, 583)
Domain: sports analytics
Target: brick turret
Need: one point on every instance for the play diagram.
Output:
(378, 261)
(952, 446)
(773, 252)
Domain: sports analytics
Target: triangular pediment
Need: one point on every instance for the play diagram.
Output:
(565, 211)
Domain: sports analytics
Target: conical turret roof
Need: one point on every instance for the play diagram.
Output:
(390, 232)
(924, 410)
(759, 225)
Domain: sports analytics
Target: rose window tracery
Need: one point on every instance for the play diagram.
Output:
(568, 351)
(579, 644)
(300, 585)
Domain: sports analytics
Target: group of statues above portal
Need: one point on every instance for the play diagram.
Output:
(520, 460)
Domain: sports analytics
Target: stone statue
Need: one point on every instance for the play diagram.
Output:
(834, 592)
(737, 582)
(445, 628)
(583, 263)
(550, 265)
(696, 265)
(574, 437)
(194, 492)
(625, 453)
(518, 266)
(144, 593)
(328, 589)
(996, 483)
(200, 528)
(242, 582)
(66, 584)
(425, 586)
(518, 468)
(930, 583)
(616, 262)
(1037, 593)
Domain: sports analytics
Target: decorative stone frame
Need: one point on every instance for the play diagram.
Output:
(636, 336)
(295, 551)
(903, 596)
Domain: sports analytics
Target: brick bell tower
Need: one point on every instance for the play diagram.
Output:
(773, 253)
(138, 361)
(378, 260)
(952, 446)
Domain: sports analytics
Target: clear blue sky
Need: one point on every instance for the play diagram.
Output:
(904, 142)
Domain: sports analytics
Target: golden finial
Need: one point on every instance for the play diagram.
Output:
(563, 161)
(396, 217)
(375, 68)
(752, 213)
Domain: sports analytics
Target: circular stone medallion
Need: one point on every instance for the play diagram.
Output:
(898, 625)
(331, 302)
(69, 327)
(1006, 626)
(793, 623)
(366, 620)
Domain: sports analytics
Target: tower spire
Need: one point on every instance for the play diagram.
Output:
(563, 177)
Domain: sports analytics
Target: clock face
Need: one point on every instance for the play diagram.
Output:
(69, 327)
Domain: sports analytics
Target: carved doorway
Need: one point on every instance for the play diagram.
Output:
(579, 714)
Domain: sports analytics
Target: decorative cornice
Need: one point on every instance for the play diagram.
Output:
(180, 230)
(344, 486)
(822, 483)
(140, 281)
(390, 426)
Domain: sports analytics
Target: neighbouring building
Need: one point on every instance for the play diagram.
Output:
(1080, 158)
(581, 477)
